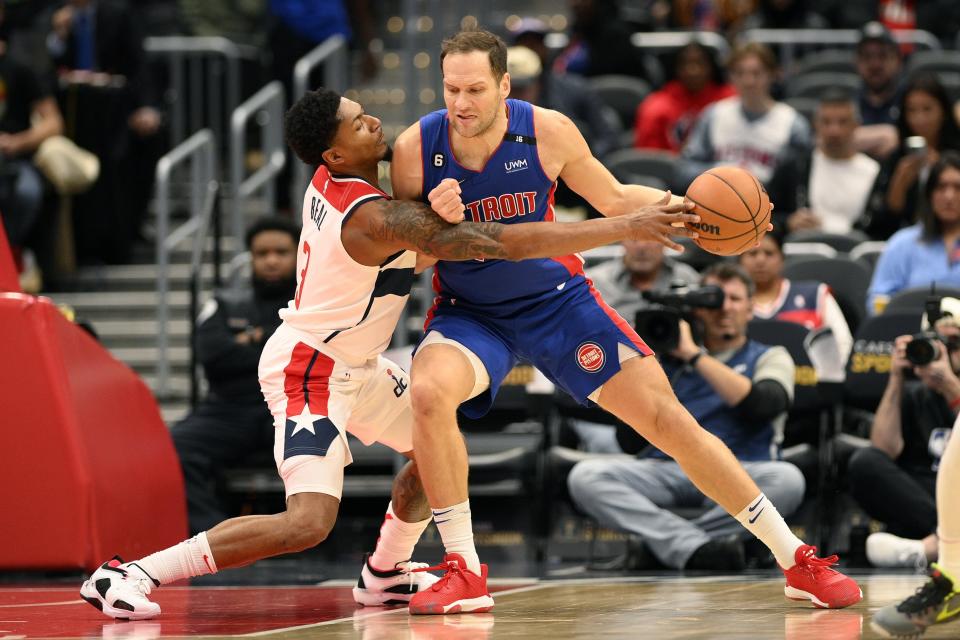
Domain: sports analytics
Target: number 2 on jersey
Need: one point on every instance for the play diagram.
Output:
(303, 275)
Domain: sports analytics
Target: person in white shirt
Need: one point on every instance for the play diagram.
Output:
(828, 189)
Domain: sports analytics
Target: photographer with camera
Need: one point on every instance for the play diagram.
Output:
(894, 479)
(738, 390)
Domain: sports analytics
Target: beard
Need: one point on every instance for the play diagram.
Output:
(387, 155)
(282, 289)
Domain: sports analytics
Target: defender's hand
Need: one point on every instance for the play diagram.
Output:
(445, 200)
(658, 222)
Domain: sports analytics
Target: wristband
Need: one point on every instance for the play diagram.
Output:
(692, 363)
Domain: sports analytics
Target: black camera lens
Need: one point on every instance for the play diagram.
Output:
(922, 350)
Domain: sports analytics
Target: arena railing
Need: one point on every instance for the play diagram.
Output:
(332, 54)
(200, 152)
(790, 42)
(196, 66)
(265, 108)
(666, 41)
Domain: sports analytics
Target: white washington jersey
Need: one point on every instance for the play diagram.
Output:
(350, 308)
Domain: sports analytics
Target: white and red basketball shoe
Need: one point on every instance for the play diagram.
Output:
(120, 591)
(812, 579)
(377, 588)
(458, 591)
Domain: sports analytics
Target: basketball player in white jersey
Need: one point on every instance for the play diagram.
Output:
(322, 372)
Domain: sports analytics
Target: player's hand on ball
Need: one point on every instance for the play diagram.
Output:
(658, 222)
(446, 202)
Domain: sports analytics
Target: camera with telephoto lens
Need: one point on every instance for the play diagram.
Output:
(924, 347)
(659, 324)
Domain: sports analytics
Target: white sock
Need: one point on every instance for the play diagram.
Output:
(456, 531)
(397, 540)
(761, 518)
(188, 559)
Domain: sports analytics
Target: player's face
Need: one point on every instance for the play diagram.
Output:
(359, 137)
(945, 199)
(472, 94)
(730, 321)
(924, 114)
(835, 125)
(878, 64)
(751, 78)
(274, 256)
(763, 263)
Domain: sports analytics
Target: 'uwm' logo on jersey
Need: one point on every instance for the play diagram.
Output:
(506, 206)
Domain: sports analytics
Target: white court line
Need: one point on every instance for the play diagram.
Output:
(374, 615)
(40, 604)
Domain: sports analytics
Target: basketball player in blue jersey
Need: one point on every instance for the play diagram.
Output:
(507, 156)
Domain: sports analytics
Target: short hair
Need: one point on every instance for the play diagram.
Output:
(271, 223)
(472, 40)
(932, 227)
(838, 96)
(758, 49)
(727, 271)
(310, 125)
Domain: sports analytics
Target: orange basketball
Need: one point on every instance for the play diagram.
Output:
(734, 210)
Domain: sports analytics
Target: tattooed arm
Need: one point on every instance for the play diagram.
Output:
(380, 228)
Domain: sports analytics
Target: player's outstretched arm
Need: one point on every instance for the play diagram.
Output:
(565, 154)
(380, 228)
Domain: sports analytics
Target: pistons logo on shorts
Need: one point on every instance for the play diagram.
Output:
(590, 357)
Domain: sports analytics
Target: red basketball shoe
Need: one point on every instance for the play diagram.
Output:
(458, 591)
(813, 579)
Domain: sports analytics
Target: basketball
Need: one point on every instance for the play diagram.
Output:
(734, 210)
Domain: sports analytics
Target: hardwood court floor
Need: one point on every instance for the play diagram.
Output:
(671, 607)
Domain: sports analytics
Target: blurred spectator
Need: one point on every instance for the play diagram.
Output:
(28, 116)
(827, 189)
(97, 48)
(240, 21)
(784, 14)
(567, 94)
(736, 389)
(644, 267)
(929, 251)
(666, 117)
(926, 127)
(622, 283)
(751, 130)
(233, 422)
(894, 479)
(296, 27)
(600, 42)
(803, 302)
(707, 15)
(879, 63)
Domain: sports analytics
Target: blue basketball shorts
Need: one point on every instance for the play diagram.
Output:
(570, 334)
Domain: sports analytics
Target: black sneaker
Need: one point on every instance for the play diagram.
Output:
(717, 555)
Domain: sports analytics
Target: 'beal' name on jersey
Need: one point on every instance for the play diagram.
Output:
(504, 207)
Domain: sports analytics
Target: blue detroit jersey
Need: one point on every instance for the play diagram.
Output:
(512, 188)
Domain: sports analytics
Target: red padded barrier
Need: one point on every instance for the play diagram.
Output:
(87, 467)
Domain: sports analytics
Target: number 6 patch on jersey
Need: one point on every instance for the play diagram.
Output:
(438, 160)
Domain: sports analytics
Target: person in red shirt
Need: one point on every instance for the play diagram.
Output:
(666, 117)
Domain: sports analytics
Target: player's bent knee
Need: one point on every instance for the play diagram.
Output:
(308, 521)
(429, 397)
(304, 532)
